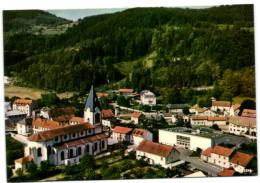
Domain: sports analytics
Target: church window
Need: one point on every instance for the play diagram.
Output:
(62, 155)
(97, 118)
(79, 151)
(65, 137)
(95, 146)
(87, 148)
(39, 152)
(71, 153)
(49, 150)
(103, 144)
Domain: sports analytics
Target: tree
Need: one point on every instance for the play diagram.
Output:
(104, 102)
(122, 101)
(215, 127)
(9, 172)
(87, 161)
(32, 169)
(19, 172)
(185, 110)
(247, 104)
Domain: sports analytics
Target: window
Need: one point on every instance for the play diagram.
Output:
(102, 144)
(161, 158)
(62, 155)
(30, 153)
(56, 139)
(89, 131)
(74, 135)
(39, 152)
(79, 151)
(65, 137)
(71, 153)
(224, 157)
(97, 118)
(81, 133)
(49, 150)
(95, 146)
(87, 148)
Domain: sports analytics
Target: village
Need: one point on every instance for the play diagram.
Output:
(192, 141)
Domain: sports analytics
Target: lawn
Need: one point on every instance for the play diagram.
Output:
(239, 100)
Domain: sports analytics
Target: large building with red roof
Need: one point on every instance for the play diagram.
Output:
(24, 105)
(157, 154)
(223, 106)
(67, 144)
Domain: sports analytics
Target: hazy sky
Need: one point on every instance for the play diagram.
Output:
(75, 14)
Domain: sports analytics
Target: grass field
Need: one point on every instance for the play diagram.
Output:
(32, 93)
(239, 100)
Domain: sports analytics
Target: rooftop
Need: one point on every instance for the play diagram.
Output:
(226, 173)
(217, 118)
(207, 152)
(243, 121)
(241, 158)
(235, 106)
(136, 114)
(23, 101)
(107, 114)
(177, 106)
(123, 130)
(223, 151)
(124, 90)
(77, 119)
(139, 132)
(14, 113)
(249, 113)
(154, 148)
(24, 160)
(92, 101)
(47, 123)
(221, 103)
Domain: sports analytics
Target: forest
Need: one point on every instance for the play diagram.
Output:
(166, 50)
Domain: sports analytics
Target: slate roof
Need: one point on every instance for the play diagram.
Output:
(123, 130)
(222, 151)
(154, 148)
(243, 121)
(177, 106)
(50, 134)
(92, 101)
(221, 103)
(241, 158)
(24, 160)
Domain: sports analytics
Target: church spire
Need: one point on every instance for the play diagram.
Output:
(92, 101)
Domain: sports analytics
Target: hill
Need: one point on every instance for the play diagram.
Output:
(161, 49)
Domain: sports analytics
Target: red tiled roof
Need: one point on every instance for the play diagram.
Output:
(235, 106)
(123, 130)
(50, 134)
(126, 90)
(81, 141)
(23, 101)
(199, 117)
(249, 113)
(241, 158)
(207, 152)
(217, 119)
(107, 114)
(221, 103)
(102, 94)
(139, 132)
(226, 173)
(47, 123)
(62, 118)
(24, 160)
(77, 119)
(222, 151)
(136, 114)
(243, 121)
(154, 148)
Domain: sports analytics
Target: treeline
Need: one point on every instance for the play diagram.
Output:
(192, 47)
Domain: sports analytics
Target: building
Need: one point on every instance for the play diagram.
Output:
(220, 121)
(234, 110)
(7, 80)
(157, 154)
(45, 111)
(24, 105)
(64, 114)
(9, 126)
(122, 133)
(24, 127)
(138, 135)
(68, 144)
(126, 92)
(8, 106)
(249, 113)
(223, 106)
(15, 116)
(227, 173)
(208, 121)
(196, 174)
(76, 120)
(193, 109)
(22, 162)
(137, 117)
(176, 108)
(205, 112)
(191, 138)
(228, 158)
(147, 98)
(39, 124)
(242, 125)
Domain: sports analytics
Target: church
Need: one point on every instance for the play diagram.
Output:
(67, 145)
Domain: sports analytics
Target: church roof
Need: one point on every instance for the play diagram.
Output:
(92, 101)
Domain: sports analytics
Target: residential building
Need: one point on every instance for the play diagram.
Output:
(176, 108)
(234, 110)
(193, 109)
(15, 116)
(137, 117)
(220, 121)
(39, 124)
(147, 98)
(68, 144)
(122, 133)
(169, 117)
(191, 138)
(103, 94)
(24, 127)
(24, 105)
(126, 92)
(249, 113)
(242, 125)
(208, 121)
(22, 162)
(157, 154)
(223, 106)
(138, 135)
(228, 158)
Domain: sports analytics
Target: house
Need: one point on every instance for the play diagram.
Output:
(249, 113)
(191, 138)
(24, 105)
(147, 98)
(68, 144)
(193, 109)
(137, 117)
(223, 106)
(199, 121)
(169, 117)
(228, 159)
(138, 135)
(76, 120)
(15, 116)
(205, 112)
(126, 92)
(226, 173)
(157, 154)
(103, 94)
(234, 110)
(24, 127)
(176, 108)
(23, 162)
(122, 133)
(220, 121)
(9, 126)
(242, 126)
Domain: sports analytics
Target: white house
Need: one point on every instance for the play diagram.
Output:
(67, 145)
(192, 139)
(24, 105)
(227, 158)
(223, 106)
(24, 127)
(138, 135)
(234, 110)
(242, 125)
(122, 133)
(157, 154)
(199, 121)
(176, 108)
(23, 162)
(148, 98)
(136, 117)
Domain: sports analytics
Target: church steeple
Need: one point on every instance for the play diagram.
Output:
(92, 110)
